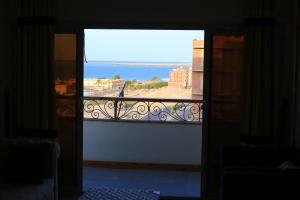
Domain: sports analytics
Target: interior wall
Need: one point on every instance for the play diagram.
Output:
(7, 22)
(2, 53)
(71, 13)
(202, 12)
(142, 142)
(74, 14)
(286, 16)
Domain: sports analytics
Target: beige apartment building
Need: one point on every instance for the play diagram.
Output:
(197, 69)
(193, 77)
(180, 78)
(104, 83)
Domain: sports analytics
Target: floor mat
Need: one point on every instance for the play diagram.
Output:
(105, 193)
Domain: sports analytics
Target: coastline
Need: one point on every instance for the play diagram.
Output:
(167, 92)
(163, 92)
(155, 65)
(130, 71)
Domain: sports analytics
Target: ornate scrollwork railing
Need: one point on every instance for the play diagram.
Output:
(143, 109)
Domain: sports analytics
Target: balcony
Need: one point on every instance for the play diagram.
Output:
(153, 132)
(143, 109)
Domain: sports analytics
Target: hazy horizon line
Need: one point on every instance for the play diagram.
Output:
(123, 61)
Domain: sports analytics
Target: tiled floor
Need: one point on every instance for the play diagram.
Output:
(169, 183)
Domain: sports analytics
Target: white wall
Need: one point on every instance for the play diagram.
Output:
(142, 142)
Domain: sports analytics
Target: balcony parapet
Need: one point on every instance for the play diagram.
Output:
(143, 109)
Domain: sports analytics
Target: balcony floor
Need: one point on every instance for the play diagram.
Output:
(169, 183)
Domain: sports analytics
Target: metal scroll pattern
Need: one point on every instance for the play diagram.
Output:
(142, 110)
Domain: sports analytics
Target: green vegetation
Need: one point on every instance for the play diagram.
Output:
(116, 77)
(155, 78)
(152, 85)
(98, 82)
(130, 83)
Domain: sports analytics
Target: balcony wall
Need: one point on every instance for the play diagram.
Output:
(142, 142)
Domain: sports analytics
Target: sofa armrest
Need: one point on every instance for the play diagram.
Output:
(29, 159)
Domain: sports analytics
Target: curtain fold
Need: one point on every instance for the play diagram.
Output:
(260, 113)
(34, 77)
(294, 136)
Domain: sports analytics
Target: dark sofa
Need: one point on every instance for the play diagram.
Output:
(250, 173)
(28, 169)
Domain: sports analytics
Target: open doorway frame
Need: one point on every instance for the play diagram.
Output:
(206, 90)
(149, 28)
(209, 142)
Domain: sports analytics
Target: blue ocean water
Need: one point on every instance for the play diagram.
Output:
(108, 70)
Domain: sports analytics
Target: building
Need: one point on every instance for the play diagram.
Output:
(117, 83)
(89, 82)
(229, 17)
(197, 69)
(100, 83)
(103, 83)
(61, 89)
(180, 78)
(65, 87)
(192, 77)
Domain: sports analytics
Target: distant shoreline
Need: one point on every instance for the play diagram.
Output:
(157, 64)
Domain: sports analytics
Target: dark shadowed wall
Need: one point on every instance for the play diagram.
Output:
(73, 14)
(204, 12)
(7, 62)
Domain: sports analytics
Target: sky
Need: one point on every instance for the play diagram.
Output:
(140, 45)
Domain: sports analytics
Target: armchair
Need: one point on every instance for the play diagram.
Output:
(28, 169)
(259, 173)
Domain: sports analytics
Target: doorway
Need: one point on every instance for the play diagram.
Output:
(143, 92)
(186, 172)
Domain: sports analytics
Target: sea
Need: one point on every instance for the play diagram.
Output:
(130, 70)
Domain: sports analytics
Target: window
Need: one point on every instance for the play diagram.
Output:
(145, 75)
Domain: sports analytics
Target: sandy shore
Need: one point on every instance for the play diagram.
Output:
(156, 64)
(164, 92)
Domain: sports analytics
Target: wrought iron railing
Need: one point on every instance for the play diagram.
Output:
(143, 109)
